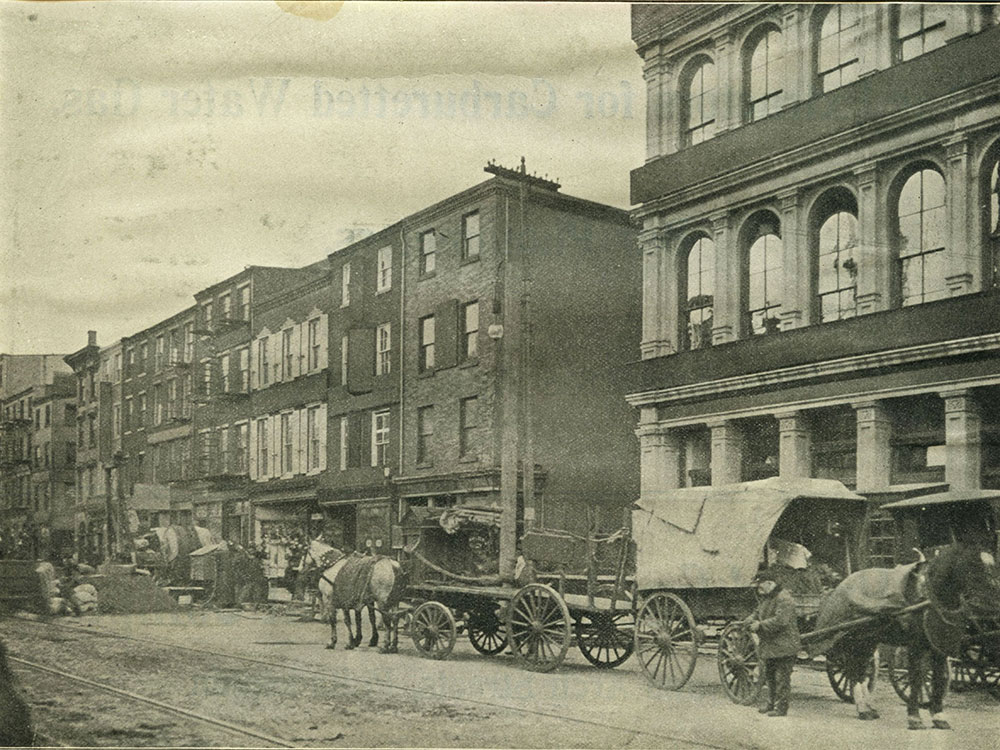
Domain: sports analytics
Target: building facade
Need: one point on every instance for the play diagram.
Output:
(820, 243)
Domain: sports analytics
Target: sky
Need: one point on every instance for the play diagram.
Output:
(151, 149)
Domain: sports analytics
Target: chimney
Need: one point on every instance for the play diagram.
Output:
(91, 338)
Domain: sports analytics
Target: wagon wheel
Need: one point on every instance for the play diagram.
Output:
(666, 640)
(538, 627)
(899, 666)
(606, 639)
(433, 630)
(968, 670)
(842, 686)
(487, 632)
(739, 665)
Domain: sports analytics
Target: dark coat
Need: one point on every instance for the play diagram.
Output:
(779, 630)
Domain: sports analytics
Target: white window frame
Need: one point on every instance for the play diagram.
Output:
(383, 349)
(224, 372)
(287, 354)
(312, 439)
(243, 302)
(428, 252)
(313, 343)
(380, 437)
(345, 284)
(343, 443)
(470, 336)
(263, 366)
(343, 360)
(383, 279)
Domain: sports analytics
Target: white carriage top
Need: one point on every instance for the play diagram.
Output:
(712, 537)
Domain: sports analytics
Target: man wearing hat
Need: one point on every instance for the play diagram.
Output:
(775, 623)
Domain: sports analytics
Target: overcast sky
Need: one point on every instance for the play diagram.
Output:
(150, 149)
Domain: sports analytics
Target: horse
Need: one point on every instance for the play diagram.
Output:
(355, 581)
(959, 584)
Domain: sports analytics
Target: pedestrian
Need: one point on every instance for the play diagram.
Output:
(775, 623)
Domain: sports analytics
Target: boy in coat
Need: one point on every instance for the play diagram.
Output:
(775, 623)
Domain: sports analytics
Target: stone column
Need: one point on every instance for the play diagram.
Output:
(874, 53)
(795, 445)
(661, 119)
(963, 444)
(796, 50)
(874, 453)
(959, 20)
(657, 292)
(659, 456)
(727, 452)
(874, 261)
(796, 294)
(725, 305)
(727, 85)
(961, 253)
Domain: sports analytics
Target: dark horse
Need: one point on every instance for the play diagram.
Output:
(959, 584)
(380, 588)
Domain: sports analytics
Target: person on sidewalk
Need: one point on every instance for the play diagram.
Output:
(775, 623)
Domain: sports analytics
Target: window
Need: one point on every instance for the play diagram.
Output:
(244, 384)
(224, 450)
(343, 443)
(118, 367)
(313, 343)
(142, 410)
(425, 434)
(312, 438)
(383, 346)
(428, 250)
(345, 284)
(129, 362)
(161, 353)
(991, 207)
(262, 447)
(287, 355)
(921, 237)
(224, 367)
(171, 399)
(837, 51)
(92, 429)
(383, 280)
(343, 360)
(427, 343)
(206, 316)
(764, 275)
(837, 266)
(470, 236)
(470, 330)
(698, 100)
(38, 418)
(700, 276)
(263, 366)
(763, 80)
(919, 29)
(468, 424)
(158, 404)
(243, 302)
(241, 448)
(380, 437)
(127, 416)
(188, 342)
(143, 356)
(286, 443)
(226, 307)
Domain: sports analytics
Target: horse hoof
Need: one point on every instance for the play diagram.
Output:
(867, 715)
(915, 724)
(941, 724)
(349, 647)
(331, 646)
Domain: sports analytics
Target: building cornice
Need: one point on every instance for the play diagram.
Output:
(829, 368)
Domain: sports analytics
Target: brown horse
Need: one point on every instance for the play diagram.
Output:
(959, 584)
(350, 582)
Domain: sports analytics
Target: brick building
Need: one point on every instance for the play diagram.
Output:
(820, 246)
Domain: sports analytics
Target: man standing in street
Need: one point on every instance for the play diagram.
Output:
(775, 622)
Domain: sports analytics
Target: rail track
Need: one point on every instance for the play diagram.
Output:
(365, 681)
(49, 740)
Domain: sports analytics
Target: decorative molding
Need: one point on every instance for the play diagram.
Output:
(786, 375)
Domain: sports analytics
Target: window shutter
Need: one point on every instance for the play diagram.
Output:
(324, 343)
(355, 435)
(366, 438)
(254, 376)
(296, 427)
(321, 432)
(300, 365)
(273, 438)
(360, 359)
(446, 335)
(274, 357)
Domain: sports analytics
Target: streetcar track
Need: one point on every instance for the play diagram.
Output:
(154, 702)
(382, 684)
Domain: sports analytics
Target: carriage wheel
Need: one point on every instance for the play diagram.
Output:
(538, 627)
(739, 665)
(842, 686)
(666, 640)
(433, 630)
(967, 670)
(606, 639)
(899, 675)
(487, 632)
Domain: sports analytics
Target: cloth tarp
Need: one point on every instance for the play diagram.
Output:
(351, 583)
(873, 591)
(712, 537)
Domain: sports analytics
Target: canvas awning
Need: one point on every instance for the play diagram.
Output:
(712, 537)
(946, 498)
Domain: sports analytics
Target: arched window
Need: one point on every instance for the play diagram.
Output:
(991, 211)
(837, 261)
(699, 100)
(837, 49)
(765, 278)
(763, 79)
(919, 29)
(921, 237)
(700, 280)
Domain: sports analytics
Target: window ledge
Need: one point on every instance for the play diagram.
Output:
(469, 260)
(426, 374)
(468, 459)
(467, 363)
(427, 275)
(425, 465)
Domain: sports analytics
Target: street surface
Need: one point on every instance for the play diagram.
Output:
(363, 698)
